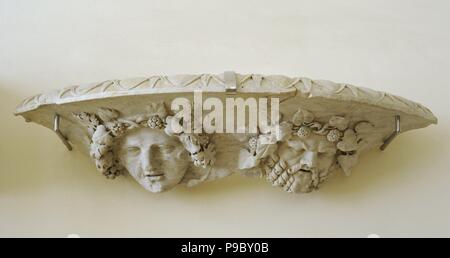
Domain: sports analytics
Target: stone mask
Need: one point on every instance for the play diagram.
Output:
(158, 162)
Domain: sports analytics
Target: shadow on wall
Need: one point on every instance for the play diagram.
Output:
(21, 150)
(30, 154)
(407, 159)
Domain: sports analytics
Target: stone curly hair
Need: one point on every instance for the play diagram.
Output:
(348, 140)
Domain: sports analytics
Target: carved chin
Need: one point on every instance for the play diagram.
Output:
(303, 183)
(157, 187)
(306, 182)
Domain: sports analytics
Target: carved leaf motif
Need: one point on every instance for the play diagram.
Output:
(98, 151)
(158, 109)
(102, 136)
(89, 120)
(363, 127)
(302, 117)
(209, 155)
(205, 158)
(108, 114)
(365, 133)
(347, 162)
(341, 123)
(201, 149)
(189, 144)
(170, 122)
(349, 141)
(260, 147)
(284, 133)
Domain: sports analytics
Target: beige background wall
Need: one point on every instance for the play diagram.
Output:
(397, 46)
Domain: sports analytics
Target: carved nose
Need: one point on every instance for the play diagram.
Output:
(309, 160)
(148, 161)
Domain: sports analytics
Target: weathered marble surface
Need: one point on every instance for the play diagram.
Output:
(325, 126)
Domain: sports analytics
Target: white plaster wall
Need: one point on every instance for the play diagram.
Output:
(397, 46)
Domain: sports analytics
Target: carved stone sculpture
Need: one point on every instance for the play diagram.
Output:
(310, 151)
(129, 126)
(143, 145)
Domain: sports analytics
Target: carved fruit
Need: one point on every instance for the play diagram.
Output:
(334, 135)
(253, 143)
(304, 132)
(155, 122)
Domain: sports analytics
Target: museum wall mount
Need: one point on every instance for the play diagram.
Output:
(125, 127)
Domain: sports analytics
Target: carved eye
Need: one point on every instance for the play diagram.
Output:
(133, 150)
(327, 152)
(298, 146)
(166, 149)
(300, 151)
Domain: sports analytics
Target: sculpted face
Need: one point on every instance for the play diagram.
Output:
(312, 158)
(154, 159)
